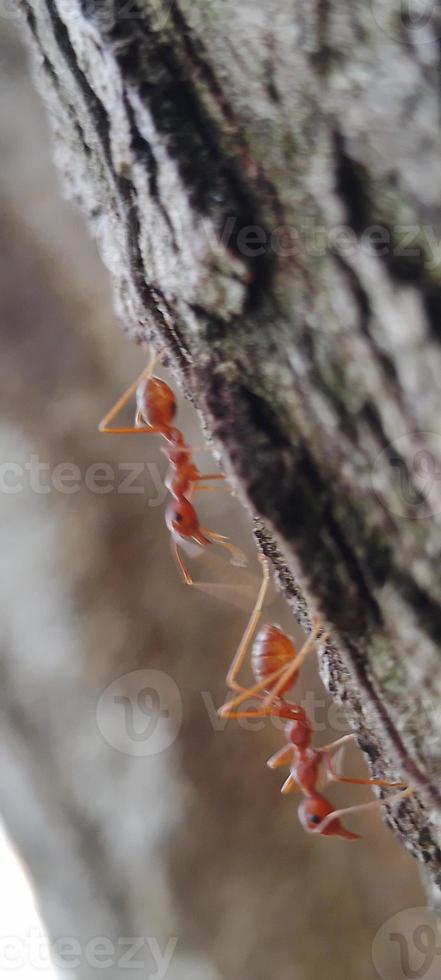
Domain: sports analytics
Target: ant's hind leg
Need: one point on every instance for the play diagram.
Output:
(105, 426)
(180, 563)
(250, 630)
(252, 692)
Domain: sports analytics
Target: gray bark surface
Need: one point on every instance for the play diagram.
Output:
(217, 150)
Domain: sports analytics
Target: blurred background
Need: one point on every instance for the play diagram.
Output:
(149, 832)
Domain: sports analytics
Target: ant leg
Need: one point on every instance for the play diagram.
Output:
(238, 557)
(262, 712)
(252, 713)
(281, 758)
(133, 430)
(331, 746)
(197, 484)
(240, 594)
(254, 691)
(295, 665)
(358, 782)
(360, 808)
(198, 488)
(189, 450)
(208, 476)
(250, 630)
(290, 786)
(180, 563)
(104, 425)
(335, 746)
(211, 489)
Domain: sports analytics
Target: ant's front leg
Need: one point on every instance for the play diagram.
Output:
(290, 786)
(246, 641)
(283, 757)
(237, 556)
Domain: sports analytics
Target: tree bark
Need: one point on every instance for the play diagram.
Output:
(265, 187)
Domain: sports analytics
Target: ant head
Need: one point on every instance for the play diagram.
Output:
(313, 810)
(182, 520)
(156, 402)
(299, 731)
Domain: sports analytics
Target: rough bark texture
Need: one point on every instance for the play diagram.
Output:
(200, 138)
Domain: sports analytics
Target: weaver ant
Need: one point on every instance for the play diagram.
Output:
(155, 412)
(275, 665)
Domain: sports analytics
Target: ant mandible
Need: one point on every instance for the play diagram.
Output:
(155, 412)
(275, 665)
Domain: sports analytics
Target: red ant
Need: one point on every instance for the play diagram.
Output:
(276, 664)
(155, 412)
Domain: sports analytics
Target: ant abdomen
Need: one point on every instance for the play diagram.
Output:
(272, 650)
(156, 402)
